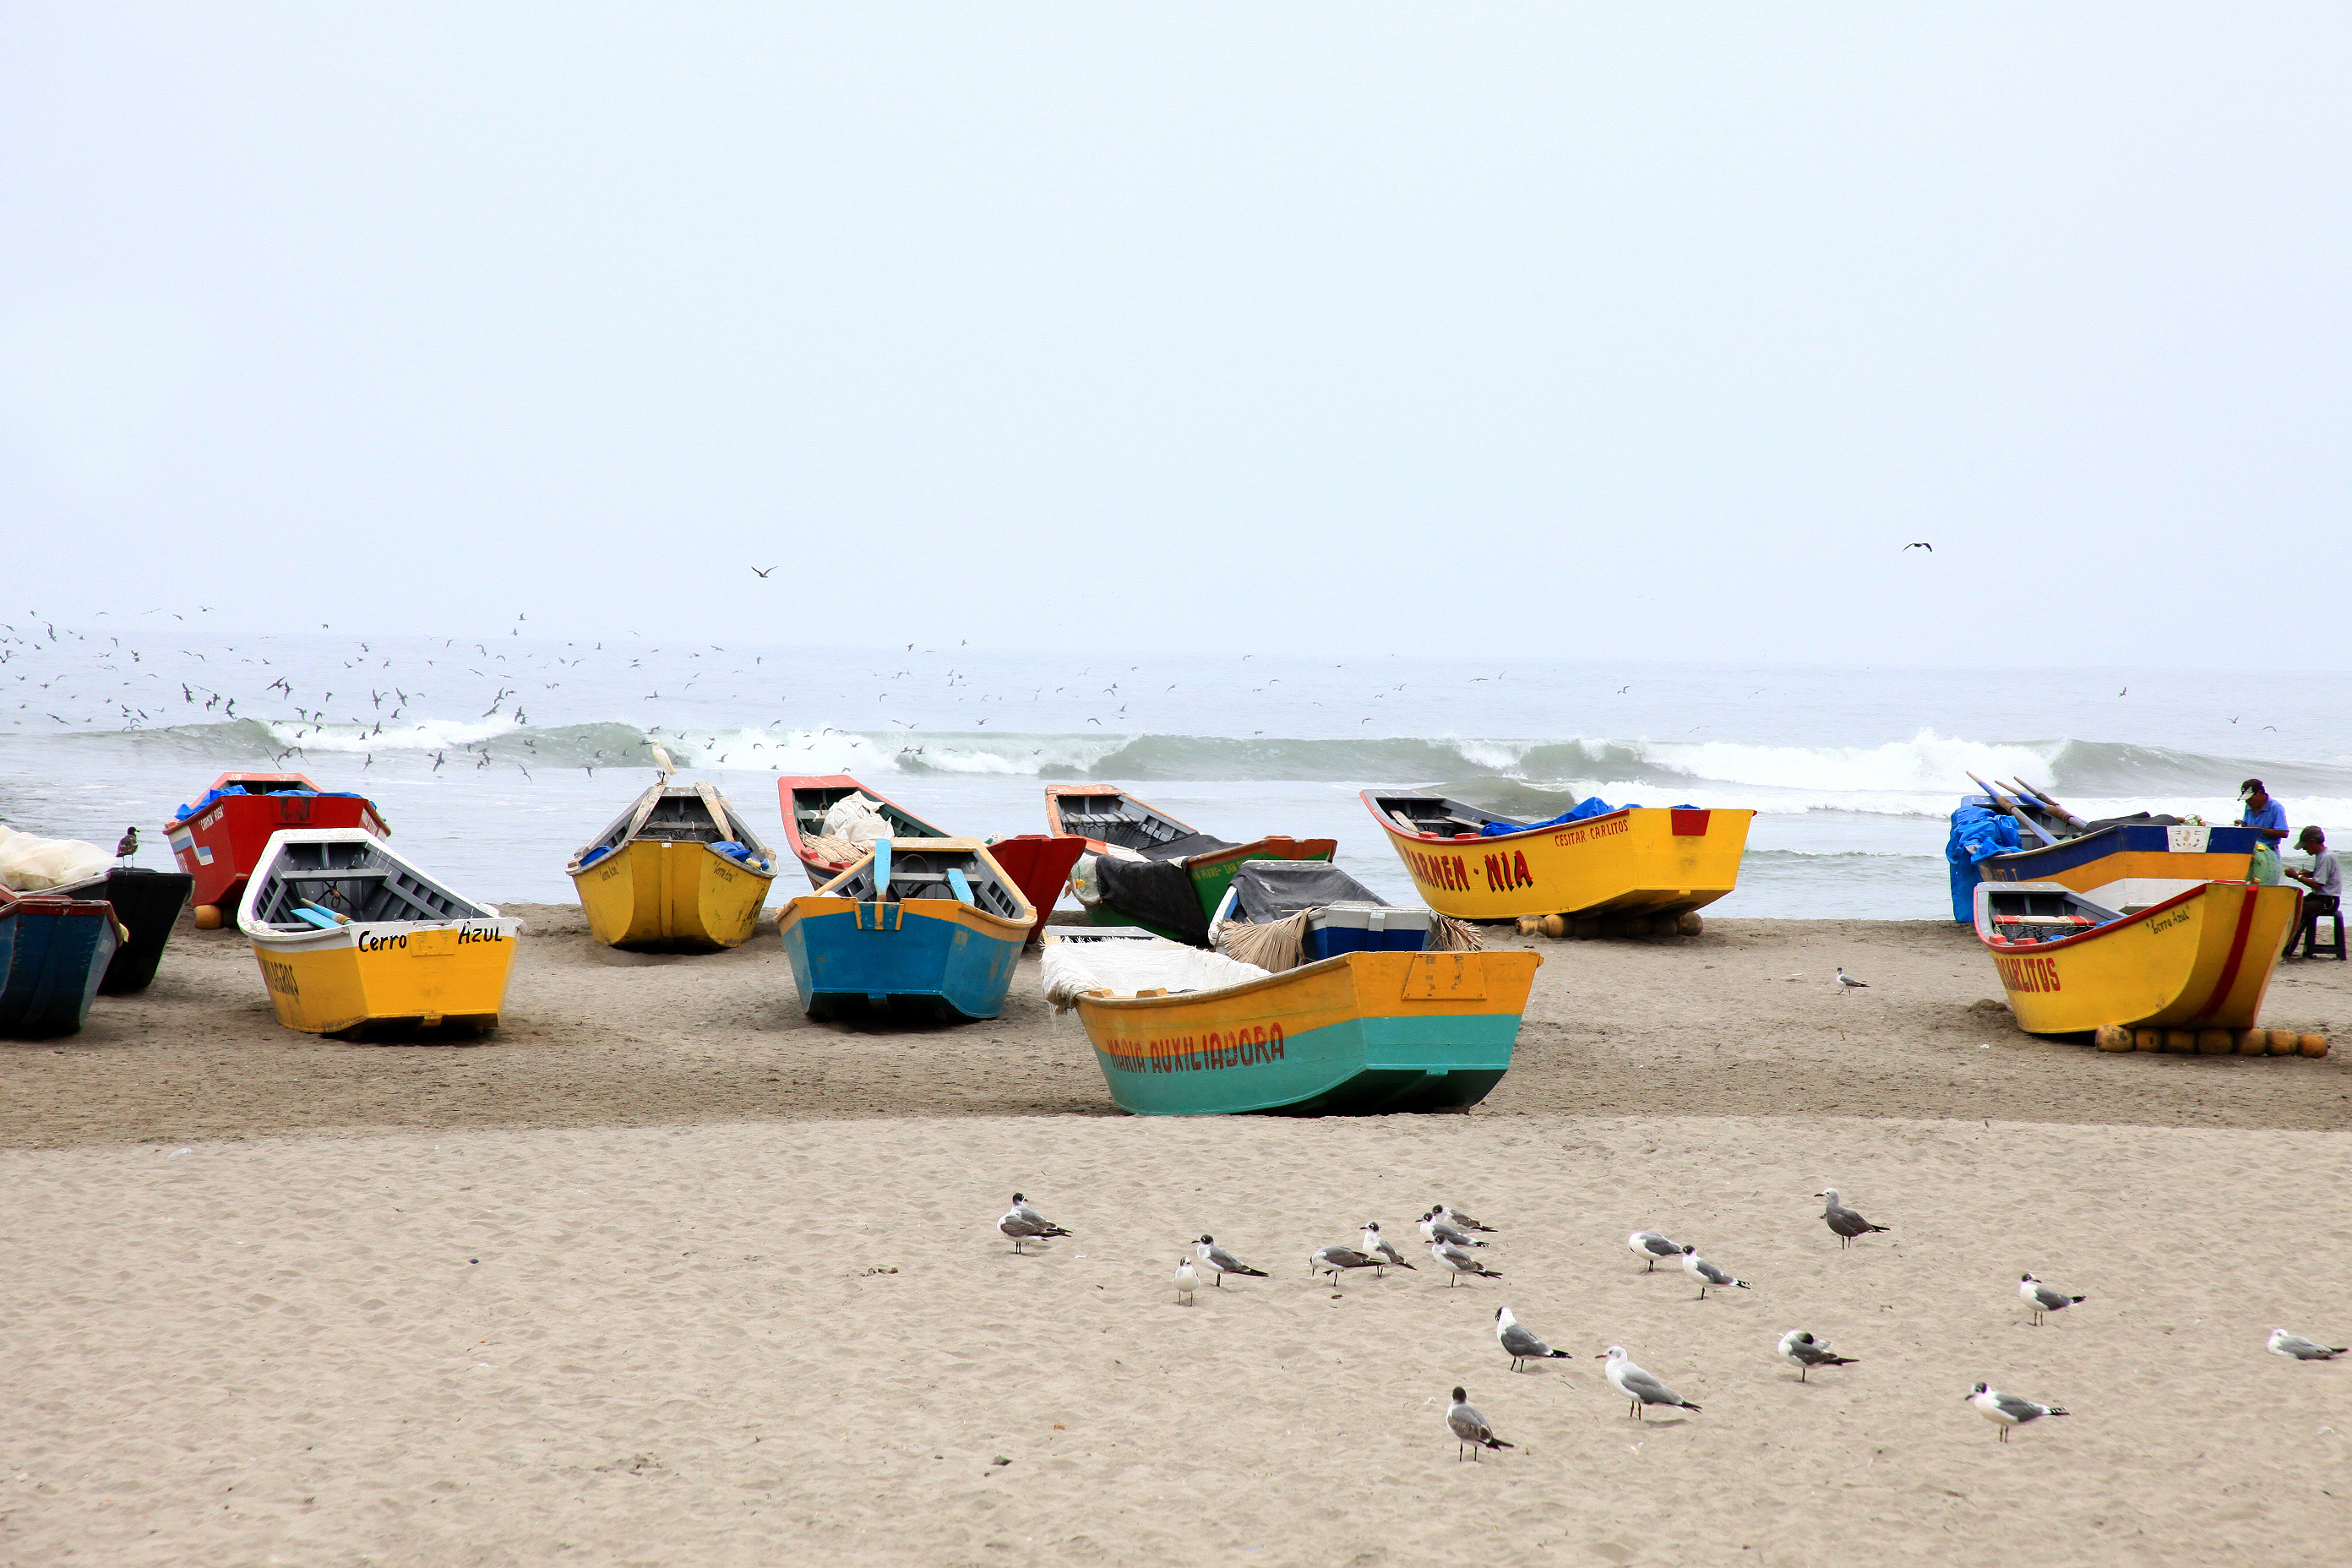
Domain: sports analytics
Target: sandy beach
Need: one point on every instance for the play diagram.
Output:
(663, 1273)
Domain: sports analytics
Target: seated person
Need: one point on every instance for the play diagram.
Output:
(2325, 879)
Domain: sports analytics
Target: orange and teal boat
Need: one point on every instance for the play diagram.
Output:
(1144, 868)
(1364, 1033)
(2201, 959)
(1635, 861)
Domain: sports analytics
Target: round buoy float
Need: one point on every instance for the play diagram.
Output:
(1530, 925)
(2180, 1040)
(2283, 1042)
(1553, 926)
(2147, 1040)
(1587, 929)
(208, 917)
(2253, 1042)
(2215, 1043)
(1690, 924)
(2313, 1045)
(2112, 1037)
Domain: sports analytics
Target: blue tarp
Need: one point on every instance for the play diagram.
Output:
(1593, 806)
(1979, 833)
(211, 795)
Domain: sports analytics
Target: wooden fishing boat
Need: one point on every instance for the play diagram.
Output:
(147, 905)
(219, 840)
(350, 936)
(54, 951)
(1038, 863)
(1335, 912)
(2198, 960)
(1365, 1032)
(932, 927)
(2132, 866)
(1142, 868)
(1635, 861)
(680, 871)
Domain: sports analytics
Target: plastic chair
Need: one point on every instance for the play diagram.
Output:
(2318, 907)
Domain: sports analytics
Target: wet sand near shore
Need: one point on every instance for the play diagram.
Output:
(1742, 1021)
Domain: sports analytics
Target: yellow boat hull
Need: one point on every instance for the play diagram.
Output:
(421, 974)
(2202, 959)
(658, 894)
(1639, 861)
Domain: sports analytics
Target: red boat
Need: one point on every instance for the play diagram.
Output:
(219, 839)
(1038, 863)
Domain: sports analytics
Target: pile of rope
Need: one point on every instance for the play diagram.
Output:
(840, 852)
(1277, 945)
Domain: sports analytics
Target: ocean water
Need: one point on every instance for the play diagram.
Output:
(495, 757)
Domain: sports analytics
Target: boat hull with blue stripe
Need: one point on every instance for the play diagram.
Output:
(53, 953)
(923, 927)
(2131, 865)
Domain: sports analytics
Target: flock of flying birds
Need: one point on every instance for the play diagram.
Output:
(1453, 1240)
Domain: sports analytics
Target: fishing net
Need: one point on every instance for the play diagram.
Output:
(1124, 966)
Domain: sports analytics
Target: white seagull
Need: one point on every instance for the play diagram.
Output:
(1436, 1227)
(2295, 1347)
(1640, 1388)
(1188, 1279)
(1332, 1259)
(1519, 1344)
(1846, 983)
(2007, 1410)
(1378, 1245)
(1456, 1216)
(1221, 1262)
(1804, 1352)
(661, 760)
(1022, 1223)
(1457, 1262)
(1469, 1428)
(1706, 1273)
(2042, 1298)
(1656, 1249)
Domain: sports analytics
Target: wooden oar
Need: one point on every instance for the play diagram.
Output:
(2044, 797)
(2014, 809)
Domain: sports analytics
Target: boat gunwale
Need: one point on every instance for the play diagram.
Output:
(1055, 792)
(790, 785)
(925, 846)
(2006, 944)
(261, 877)
(1281, 976)
(1396, 832)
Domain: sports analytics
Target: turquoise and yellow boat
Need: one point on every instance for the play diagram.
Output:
(352, 936)
(929, 927)
(2201, 959)
(1143, 869)
(1178, 1032)
(680, 871)
(1635, 861)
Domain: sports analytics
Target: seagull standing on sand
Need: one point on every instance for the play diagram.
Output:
(1707, 1274)
(1804, 1352)
(1022, 1223)
(1457, 1261)
(2007, 1410)
(1436, 1228)
(1846, 983)
(1469, 1428)
(1332, 1259)
(2042, 1298)
(1843, 1220)
(1456, 1216)
(1221, 1262)
(1640, 1388)
(2295, 1347)
(1656, 1249)
(1188, 1279)
(1378, 1247)
(1518, 1345)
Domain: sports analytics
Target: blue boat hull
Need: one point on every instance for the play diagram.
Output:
(915, 962)
(55, 955)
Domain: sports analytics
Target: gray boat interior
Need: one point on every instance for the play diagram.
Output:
(809, 806)
(1122, 820)
(680, 815)
(2028, 912)
(355, 879)
(923, 874)
(1436, 815)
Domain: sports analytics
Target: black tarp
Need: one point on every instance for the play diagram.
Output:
(1266, 890)
(1159, 891)
(1184, 848)
(2137, 819)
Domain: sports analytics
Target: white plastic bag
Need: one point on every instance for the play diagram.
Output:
(31, 864)
(858, 819)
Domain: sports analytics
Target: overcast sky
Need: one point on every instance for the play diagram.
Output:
(1579, 331)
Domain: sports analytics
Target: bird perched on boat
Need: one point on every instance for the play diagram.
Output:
(1434, 1228)
(1379, 1247)
(1641, 1389)
(1653, 1247)
(1707, 1274)
(1843, 1220)
(1456, 1216)
(1457, 1261)
(1332, 1259)
(2042, 1299)
(1846, 983)
(130, 845)
(1470, 1430)
(1188, 1279)
(1022, 1223)
(2295, 1347)
(661, 760)
(1804, 1352)
(1518, 1345)
(2007, 1410)
(1221, 1262)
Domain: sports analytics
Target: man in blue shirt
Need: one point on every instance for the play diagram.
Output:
(2266, 817)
